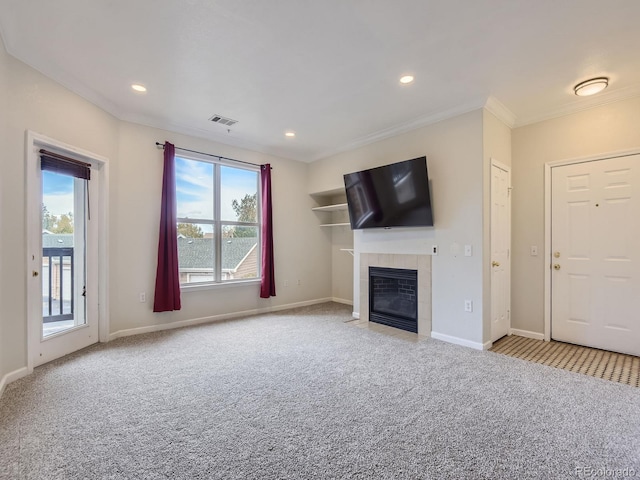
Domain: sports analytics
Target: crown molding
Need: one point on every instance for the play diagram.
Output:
(584, 104)
(204, 134)
(497, 108)
(402, 128)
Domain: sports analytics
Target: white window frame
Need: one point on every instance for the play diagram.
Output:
(218, 223)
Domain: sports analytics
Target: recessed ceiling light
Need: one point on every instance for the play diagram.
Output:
(139, 88)
(406, 79)
(591, 87)
(289, 134)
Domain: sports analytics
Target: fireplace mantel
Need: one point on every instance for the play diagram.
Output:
(421, 263)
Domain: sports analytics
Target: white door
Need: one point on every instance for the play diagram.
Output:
(63, 259)
(500, 255)
(595, 232)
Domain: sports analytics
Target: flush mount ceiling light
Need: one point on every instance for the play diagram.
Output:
(139, 88)
(405, 79)
(290, 134)
(591, 87)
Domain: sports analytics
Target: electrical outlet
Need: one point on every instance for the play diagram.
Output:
(434, 249)
(143, 297)
(286, 283)
(468, 305)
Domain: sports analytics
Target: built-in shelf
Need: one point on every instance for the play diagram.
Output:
(337, 218)
(331, 208)
(348, 250)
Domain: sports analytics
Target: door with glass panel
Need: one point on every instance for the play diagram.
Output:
(69, 319)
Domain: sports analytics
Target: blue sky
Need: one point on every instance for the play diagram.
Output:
(57, 192)
(194, 182)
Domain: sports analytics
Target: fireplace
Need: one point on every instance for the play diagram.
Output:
(393, 297)
(405, 261)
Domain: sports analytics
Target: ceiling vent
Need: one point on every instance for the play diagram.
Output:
(227, 122)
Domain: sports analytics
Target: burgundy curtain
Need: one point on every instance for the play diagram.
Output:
(268, 282)
(167, 294)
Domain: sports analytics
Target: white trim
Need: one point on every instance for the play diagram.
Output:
(594, 158)
(356, 315)
(546, 254)
(547, 221)
(396, 130)
(342, 300)
(500, 111)
(461, 341)
(582, 104)
(193, 287)
(12, 377)
(526, 333)
(34, 141)
(214, 318)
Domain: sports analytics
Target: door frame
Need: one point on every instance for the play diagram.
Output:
(507, 169)
(33, 143)
(547, 258)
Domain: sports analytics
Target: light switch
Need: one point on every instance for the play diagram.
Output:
(468, 251)
(534, 251)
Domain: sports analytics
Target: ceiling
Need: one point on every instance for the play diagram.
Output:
(328, 70)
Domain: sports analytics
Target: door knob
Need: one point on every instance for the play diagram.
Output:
(34, 273)
(556, 266)
(495, 264)
(556, 254)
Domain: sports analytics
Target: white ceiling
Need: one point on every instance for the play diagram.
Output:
(327, 69)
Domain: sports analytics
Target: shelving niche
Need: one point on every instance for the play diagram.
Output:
(335, 219)
(333, 216)
(333, 207)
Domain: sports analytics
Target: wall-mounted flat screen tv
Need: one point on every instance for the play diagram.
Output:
(395, 195)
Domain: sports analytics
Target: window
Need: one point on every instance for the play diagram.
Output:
(218, 221)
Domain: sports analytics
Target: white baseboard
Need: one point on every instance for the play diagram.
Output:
(526, 333)
(215, 318)
(342, 300)
(461, 341)
(355, 315)
(12, 377)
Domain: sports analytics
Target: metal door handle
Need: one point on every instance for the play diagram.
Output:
(556, 266)
(34, 273)
(495, 264)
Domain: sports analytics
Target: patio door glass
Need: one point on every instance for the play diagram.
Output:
(63, 253)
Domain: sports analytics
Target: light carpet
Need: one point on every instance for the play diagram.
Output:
(302, 395)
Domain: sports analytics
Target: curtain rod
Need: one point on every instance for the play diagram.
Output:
(161, 145)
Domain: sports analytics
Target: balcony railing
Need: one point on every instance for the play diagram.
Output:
(57, 284)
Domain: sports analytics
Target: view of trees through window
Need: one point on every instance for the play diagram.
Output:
(218, 213)
(56, 224)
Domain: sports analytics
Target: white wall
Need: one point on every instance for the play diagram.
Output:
(455, 162)
(136, 213)
(599, 131)
(34, 102)
(341, 264)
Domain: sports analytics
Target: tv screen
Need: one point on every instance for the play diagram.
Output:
(395, 195)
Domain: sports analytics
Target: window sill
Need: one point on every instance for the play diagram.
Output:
(213, 286)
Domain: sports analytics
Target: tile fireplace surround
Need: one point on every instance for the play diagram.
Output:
(421, 263)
